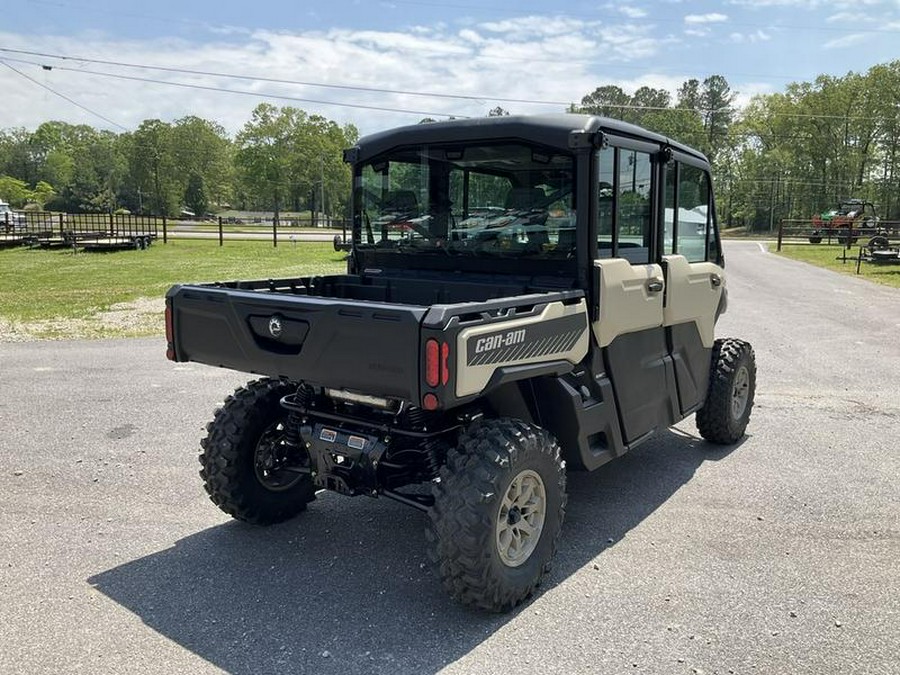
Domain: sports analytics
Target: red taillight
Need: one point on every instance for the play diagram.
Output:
(432, 363)
(170, 334)
(430, 402)
(445, 363)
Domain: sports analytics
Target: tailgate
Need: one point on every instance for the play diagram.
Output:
(367, 347)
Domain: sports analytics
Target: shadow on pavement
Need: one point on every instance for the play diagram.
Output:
(344, 587)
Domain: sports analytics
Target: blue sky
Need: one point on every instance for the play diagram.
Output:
(525, 56)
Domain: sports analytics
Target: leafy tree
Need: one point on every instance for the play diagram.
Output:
(195, 195)
(608, 101)
(14, 191)
(201, 148)
(151, 167)
(263, 157)
(15, 157)
(42, 194)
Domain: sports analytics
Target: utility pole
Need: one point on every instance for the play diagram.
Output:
(322, 187)
(772, 206)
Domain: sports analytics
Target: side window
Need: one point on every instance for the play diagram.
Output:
(669, 210)
(633, 212)
(694, 227)
(607, 179)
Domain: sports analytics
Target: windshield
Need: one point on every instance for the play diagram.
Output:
(499, 199)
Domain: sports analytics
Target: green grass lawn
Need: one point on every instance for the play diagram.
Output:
(56, 294)
(828, 256)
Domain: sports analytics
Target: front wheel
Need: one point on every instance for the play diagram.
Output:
(724, 416)
(246, 460)
(497, 514)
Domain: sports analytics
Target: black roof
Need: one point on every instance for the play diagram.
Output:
(550, 130)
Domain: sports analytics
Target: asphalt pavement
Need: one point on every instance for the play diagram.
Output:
(780, 555)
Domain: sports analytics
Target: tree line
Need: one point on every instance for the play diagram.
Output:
(282, 159)
(786, 155)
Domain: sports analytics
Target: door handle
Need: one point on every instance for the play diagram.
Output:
(715, 280)
(655, 285)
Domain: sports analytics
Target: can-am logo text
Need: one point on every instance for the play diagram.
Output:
(509, 339)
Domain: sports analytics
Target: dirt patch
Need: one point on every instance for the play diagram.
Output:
(139, 318)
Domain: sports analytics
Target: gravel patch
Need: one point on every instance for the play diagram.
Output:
(139, 318)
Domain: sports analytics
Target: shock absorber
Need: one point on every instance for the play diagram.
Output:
(292, 437)
(292, 431)
(416, 418)
(431, 459)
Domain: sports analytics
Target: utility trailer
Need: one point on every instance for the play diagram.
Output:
(524, 297)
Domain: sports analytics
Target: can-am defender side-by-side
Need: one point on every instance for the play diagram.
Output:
(525, 296)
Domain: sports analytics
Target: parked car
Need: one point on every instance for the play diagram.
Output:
(9, 219)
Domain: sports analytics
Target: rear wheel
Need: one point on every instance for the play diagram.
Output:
(498, 513)
(245, 457)
(724, 416)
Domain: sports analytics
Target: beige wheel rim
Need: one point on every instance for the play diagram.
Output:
(520, 519)
(740, 393)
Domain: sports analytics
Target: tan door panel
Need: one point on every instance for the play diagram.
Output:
(693, 291)
(631, 298)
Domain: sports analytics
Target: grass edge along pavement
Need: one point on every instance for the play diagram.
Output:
(55, 294)
(830, 257)
(58, 294)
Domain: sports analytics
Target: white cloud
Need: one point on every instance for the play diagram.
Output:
(846, 41)
(750, 38)
(632, 12)
(850, 18)
(807, 4)
(525, 26)
(471, 36)
(713, 17)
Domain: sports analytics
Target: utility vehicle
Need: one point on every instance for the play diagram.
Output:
(525, 296)
(850, 216)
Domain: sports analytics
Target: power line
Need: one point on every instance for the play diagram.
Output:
(444, 54)
(273, 80)
(242, 92)
(63, 96)
(349, 87)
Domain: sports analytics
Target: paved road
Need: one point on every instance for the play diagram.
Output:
(779, 556)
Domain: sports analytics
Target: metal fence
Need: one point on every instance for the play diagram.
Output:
(810, 232)
(113, 230)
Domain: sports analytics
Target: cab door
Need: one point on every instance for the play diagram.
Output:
(694, 275)
(630, 287)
